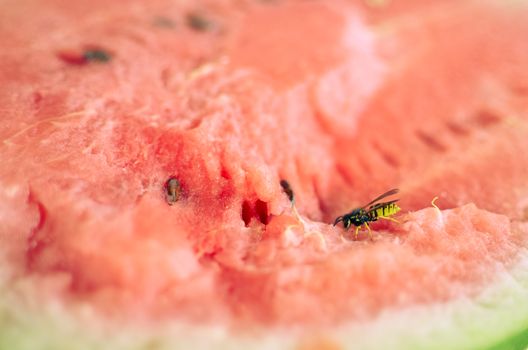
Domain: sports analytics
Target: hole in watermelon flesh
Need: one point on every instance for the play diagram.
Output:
(386, 156)
(261, 210)
(257, 210)
(247, 212)
(456, 129)
(487, 118)
(430, 141)
(35, 242)
(225, 174)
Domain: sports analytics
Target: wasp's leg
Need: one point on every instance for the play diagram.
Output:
(357, 231)
(369, 231)
(388, 218)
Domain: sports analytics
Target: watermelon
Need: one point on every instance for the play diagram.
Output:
(144, 146)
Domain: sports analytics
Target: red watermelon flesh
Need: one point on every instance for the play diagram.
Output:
(342, 100)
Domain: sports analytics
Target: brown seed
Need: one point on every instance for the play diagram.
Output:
(288, 190)
(198, 22)
(97, 55)
(172, 190)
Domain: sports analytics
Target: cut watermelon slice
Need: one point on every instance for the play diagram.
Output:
(141, 204)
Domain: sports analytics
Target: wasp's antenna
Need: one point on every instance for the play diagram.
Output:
(337, 220)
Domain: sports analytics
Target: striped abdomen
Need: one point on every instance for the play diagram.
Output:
(386, 210)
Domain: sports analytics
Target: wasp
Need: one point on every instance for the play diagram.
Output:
(371, 212)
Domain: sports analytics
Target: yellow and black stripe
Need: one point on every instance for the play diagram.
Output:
(386, 210)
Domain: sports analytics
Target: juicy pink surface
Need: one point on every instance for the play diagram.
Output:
(342, 101)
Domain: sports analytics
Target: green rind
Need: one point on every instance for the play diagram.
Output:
(496, 319)
(517, 342)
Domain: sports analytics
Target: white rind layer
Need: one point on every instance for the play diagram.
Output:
(491, 320)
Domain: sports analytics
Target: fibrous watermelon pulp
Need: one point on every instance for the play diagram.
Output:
(342, 100)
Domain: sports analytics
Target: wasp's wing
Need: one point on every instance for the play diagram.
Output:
(380, 205)
(386, 194)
